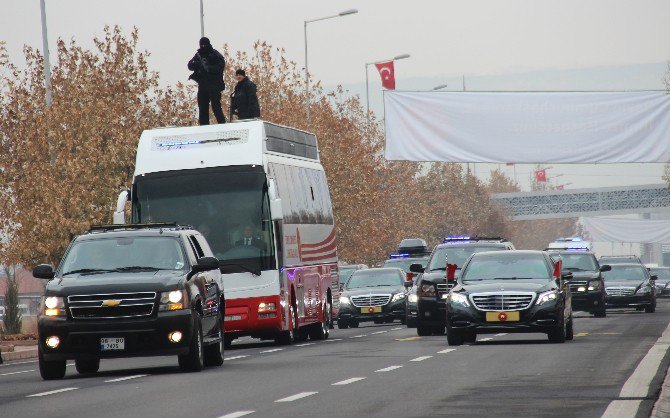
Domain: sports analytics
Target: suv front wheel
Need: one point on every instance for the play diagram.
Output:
(51, 370)
(194, 360)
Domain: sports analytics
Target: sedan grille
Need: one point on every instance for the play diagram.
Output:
(620, 291)
(502, 301)
(112, 305)
(370, 300)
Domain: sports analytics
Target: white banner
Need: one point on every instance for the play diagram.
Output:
(644, 231)
(618, 127)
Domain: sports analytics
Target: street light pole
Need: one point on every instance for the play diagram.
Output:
(367, 84)
(202, 19)
(344, 13)
(45, 46)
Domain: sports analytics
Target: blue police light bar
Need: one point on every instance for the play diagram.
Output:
(577, 249)
(399, 255)
(452, 238)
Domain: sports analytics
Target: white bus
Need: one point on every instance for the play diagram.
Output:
(258, 193)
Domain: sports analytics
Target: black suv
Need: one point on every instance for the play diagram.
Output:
(432, 285)
(510, 291)
(587, 285)
(132, 290)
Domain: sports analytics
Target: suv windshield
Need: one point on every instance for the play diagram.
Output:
(124, 254)
(229, 206)
(579, 262)
(507, 266)
(618, 260)
(457, 255)
(374, 278)
(404, 263)
(633, 273)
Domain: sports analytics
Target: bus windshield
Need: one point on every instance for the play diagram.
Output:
(228, 205)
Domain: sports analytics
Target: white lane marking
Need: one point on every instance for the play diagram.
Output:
(387, 369)
(234, 358)
(637, 385)
(51, 392)
(272, 351)
(121, 379)
(305, 345)
(622, 409)
(296, 396)
(486, 339)
(332, 340)
(502, 334)
(396, 329)
(448, 350)
(359, 336)
(348, 381)
(18, 362)
(22, 371)
(422, 358)
(379, 332)
(237, 414)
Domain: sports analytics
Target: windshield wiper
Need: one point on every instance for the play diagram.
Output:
(439, 268)
(89, 271)
(243, 267)
(138, 268)
(575, 269)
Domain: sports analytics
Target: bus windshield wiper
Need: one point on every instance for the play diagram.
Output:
(88, 271)
(243, 267)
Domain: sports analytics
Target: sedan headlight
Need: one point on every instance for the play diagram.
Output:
(172, 301)
(546, 297)
(53, 306)
(344, 300)
(644, 290)
(459, 299)
(413, 298)
(397, 297)
(595, 285)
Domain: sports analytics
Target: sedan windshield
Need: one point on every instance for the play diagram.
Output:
(457, 255)
(633, 273)
(375, 278)
(579, 262)
(507, 266)
(346, 272)
(124, 254)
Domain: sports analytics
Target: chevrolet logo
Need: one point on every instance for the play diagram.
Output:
(110, 303)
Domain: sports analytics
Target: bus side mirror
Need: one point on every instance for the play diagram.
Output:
(276, 210)
(119, 217)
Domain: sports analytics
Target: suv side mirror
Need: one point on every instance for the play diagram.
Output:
(43, 271)
(205, 264)
(566, 276)
(605, 267)
(653, 278)
(416, 268)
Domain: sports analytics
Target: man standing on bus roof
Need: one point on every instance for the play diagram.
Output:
(207, 65)
(244, 102)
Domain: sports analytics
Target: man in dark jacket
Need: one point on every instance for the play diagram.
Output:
(244, 102)
(207, 66)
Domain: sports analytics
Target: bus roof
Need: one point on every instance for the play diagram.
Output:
(237, 143)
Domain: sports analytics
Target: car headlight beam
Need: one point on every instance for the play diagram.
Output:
(458, 299)
(546, 297)
(344, 300)
(397, 297)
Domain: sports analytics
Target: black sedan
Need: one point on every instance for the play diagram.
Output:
(376, 294)
(662, 280)
(509, 291)
(630, 286)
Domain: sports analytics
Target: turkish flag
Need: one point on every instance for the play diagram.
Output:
(387, 74)
(541, 176)
(558, 266)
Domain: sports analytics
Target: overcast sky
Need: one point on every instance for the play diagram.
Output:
(496, 44)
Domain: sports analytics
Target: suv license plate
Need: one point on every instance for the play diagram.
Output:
(112, 344)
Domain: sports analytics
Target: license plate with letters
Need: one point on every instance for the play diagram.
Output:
(112, 344)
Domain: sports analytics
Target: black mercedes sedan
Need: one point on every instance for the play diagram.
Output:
(131, 290)
(376, 294)
(630, 286)
(509, 291)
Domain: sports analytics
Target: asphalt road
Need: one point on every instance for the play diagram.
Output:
(370, 371)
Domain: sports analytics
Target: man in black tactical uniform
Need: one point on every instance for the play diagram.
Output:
(207, 65)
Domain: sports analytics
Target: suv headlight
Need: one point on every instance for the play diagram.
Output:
(344, 300)
(172, 301)
(413, 298)
(644, 290)
(546, 297)
(595, 285)
(53, 306)
(397, 297)
(458, 299)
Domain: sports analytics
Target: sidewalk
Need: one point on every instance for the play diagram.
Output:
(21, 352)
(662, 406)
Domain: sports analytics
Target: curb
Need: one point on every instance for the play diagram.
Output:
(662, 404)
(20, 355)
